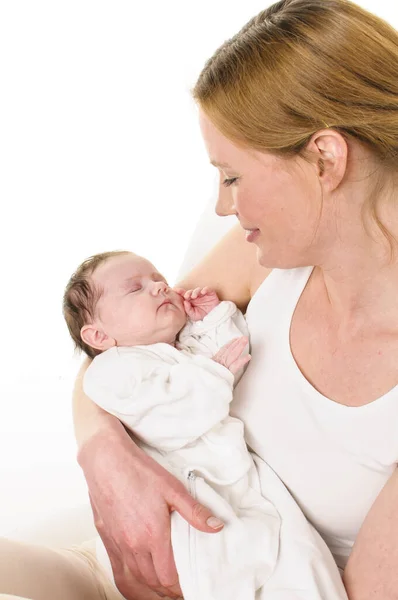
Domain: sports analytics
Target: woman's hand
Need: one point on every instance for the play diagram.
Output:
(132, 497)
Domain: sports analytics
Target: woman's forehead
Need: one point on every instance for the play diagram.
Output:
(228, 156)
(217, 145)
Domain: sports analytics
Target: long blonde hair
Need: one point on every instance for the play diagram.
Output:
(300, 66)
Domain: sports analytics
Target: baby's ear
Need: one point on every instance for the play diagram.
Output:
(96, 338)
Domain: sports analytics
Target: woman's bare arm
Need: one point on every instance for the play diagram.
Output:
(231, 268)
(88, 418)
(372, 569)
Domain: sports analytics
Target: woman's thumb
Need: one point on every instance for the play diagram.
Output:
(196, 514)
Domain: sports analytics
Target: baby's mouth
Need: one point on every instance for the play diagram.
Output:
(165, 301)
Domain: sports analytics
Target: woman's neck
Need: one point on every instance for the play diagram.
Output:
(359, 268)
(362, 288)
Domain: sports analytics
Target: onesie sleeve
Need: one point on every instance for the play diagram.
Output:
(165, 405)
(224, 323)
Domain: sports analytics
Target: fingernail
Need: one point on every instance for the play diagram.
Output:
(214, 523)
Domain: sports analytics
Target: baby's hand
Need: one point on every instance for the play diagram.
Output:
(198, 302)
(230, 355)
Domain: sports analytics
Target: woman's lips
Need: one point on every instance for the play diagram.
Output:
(251, 234)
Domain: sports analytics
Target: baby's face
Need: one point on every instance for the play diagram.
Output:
(137, 306)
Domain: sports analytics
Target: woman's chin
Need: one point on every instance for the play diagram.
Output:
(274, 259)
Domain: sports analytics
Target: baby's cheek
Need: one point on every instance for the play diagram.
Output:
(178, 300)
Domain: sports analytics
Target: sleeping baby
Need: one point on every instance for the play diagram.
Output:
(165, 364)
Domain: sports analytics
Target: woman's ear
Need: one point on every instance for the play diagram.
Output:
(96, 337)
(331, 150)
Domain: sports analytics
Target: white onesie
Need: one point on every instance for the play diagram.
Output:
(176, 402)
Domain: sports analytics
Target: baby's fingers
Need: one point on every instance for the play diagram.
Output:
(196, 292)
(188, 308)
(235, 349)
(239, 363)
(233, 357)
(193, 294)
(179, 291)
(224, 350)
(188, 294)
(235, 343)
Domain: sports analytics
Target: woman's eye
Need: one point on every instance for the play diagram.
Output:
(230, 181)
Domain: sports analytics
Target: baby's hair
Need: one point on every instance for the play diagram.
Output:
(81, 297)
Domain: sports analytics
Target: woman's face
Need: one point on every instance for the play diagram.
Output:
(277, 201)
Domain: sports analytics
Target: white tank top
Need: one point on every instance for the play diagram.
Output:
(333, 459)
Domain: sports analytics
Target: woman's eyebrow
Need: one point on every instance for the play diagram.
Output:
(218, 164)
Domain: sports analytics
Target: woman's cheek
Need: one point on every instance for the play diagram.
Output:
(238, 200)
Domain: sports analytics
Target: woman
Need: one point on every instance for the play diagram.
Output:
(299, 112)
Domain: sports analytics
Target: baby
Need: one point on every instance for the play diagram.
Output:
(119, 299)
(165, 363)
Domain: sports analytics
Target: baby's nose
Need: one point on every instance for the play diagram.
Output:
(160, 287)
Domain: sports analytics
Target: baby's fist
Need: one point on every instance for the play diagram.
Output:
(230, 355)
(198, 302)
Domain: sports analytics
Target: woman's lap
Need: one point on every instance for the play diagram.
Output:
(41, 573)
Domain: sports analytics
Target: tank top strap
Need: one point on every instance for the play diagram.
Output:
(280, 292)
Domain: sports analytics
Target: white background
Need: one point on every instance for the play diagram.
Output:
(100, 150)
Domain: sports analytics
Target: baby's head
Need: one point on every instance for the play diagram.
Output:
(119, 299)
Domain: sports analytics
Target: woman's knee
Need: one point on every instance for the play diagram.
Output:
(41, 573)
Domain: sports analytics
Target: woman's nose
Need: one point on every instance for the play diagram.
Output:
(225, 203)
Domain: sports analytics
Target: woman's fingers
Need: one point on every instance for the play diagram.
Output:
(165, 567)
(163, 560)
(132, 589)
(144, 563)
(156, 568)
(146, 567)
(195, 513)
(136, 577)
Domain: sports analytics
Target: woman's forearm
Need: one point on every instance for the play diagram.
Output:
(91, 421)
(371, 572)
